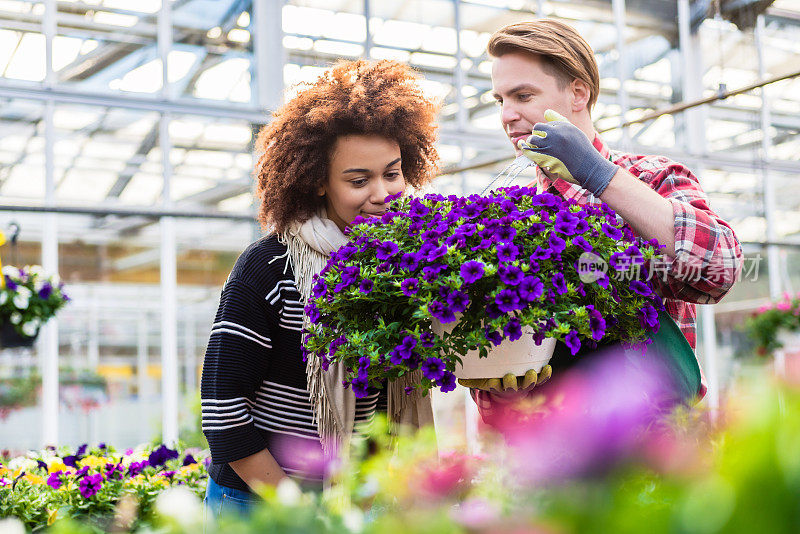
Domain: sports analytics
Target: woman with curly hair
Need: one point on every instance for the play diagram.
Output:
(361, 132)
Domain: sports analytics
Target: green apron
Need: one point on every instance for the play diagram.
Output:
(669, 346)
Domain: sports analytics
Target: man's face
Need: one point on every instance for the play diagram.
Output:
(524, 90)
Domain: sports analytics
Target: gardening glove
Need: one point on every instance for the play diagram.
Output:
(564, 151)
(510, 383)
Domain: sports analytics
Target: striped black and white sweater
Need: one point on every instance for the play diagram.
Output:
(254, 393)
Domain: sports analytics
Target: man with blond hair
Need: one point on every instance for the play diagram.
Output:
(546, 81)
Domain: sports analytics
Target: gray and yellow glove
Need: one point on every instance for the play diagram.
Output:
(510, 383)
(564, 151)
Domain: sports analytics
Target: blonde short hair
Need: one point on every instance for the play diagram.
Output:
(565, 54)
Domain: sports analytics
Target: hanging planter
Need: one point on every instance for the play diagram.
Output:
(28, 299)
(10, 338)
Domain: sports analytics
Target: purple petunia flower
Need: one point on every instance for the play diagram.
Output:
(540, 254)
(418, 209)
(363, 366)
(530, 288)
(604, 281)
(366, 286)
(513, 329)
(433, 368)
(319, 288)
(90, 485)
(472, 271)
(114, 471)
(386, 250)
(396, 356)
(466, 230)
(161, 455)
(458, 301)
(360, 387)
(510, 274)
(409, 261)
(612, 231)
(81, 450)
(557, 245)
(46, 291)
(456, 241)
(312, 313)
(536, 228)
(573, 342)
(431, 272)
(406, 346)
(582, 243)
(565, 223)
(493, 336)
(409, 286)
(505, 234)
(596, 323)
(436, 253)
(507, 300)
(54, 480)
(189, 460)
(447, 382)
(507, 252)
(559, 283)
(441, 311)
(641, 288)
(648, 318)
(427, 339)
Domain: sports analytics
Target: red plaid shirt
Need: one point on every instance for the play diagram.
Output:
(708, 257)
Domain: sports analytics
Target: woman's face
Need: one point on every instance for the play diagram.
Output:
(363, 170)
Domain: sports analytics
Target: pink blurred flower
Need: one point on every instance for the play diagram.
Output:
(595, 414)
(475, 513)
(446, 476)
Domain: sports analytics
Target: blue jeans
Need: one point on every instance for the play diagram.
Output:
(220, 499)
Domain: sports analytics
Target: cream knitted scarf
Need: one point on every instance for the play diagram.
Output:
(310, 245)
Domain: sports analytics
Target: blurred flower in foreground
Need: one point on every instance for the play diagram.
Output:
(594, 415)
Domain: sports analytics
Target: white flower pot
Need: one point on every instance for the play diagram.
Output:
(515, 357)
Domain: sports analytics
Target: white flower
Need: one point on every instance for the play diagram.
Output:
(11, 271)
(34, 269)
(20, 462)
(29, 329)
(3, 297)
(15, 318)
(288, 492)
(21, 301)
(11, 525)
(181, 505)
(353, 519)
(24, 291)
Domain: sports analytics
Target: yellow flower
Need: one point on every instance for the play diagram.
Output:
(55, 465)
(33, 479)
(3, 471)
(186, 469)
(51, 518)
(93, 461)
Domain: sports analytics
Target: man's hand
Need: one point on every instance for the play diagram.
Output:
(510, 386)
(563, 150)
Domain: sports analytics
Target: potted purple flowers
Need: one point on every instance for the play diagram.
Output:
(28, 299)
(439, 277)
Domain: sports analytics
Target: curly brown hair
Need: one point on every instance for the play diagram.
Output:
(353, 97)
